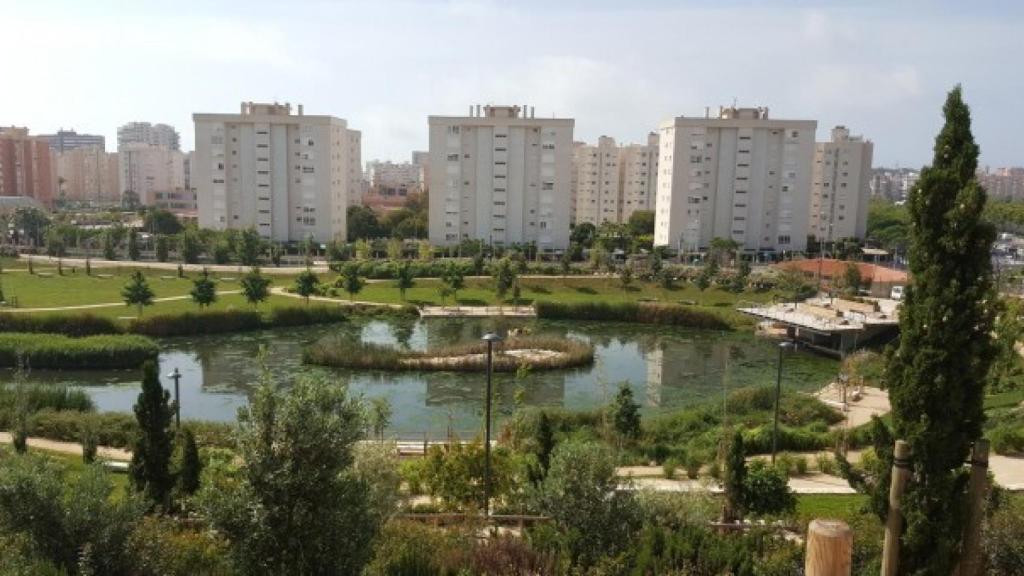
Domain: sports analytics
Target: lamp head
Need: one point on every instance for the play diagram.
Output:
(491, 337)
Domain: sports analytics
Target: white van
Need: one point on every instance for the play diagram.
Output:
(896, 293)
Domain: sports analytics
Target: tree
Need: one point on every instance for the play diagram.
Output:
(30, 224)
(204, 290)
(504, 276)
(454, 279)
(936, 376)
(189, 467)
(641, 222)
(161, 221)
(297, 505)
(109, 245)
(739, 281)
(626, 413)
(137, 291)
(626, 276)
(478, 263)
(352, 282)
(362, 223)
(379, 416)
(723, 250)
(703, 281)
(189, 246)
(545, 440)
(566, 262)
(255, 286)
(150, 468)
(249, 247)
(851, 281)
(581, 495)
(395, 249)
(405, 279)
(161, 248)
(275, 254)
(133, 244)
(425, 251)
(793, 284)
(735, 480)
(306, 284)
(583, 234)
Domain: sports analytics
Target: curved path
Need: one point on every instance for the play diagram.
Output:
(105, 304)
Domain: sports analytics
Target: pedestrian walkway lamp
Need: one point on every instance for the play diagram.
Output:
(176, 376)
(783, 346)
(490, 338)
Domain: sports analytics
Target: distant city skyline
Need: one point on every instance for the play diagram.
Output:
(619, 69)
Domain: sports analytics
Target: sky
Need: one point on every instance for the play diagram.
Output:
(618, 68)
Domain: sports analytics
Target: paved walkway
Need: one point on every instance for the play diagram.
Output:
(477, 311)
(281, 291)
(106, 304)
(73, 448)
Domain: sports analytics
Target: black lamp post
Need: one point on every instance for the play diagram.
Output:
(783, 346)
(176, 376)
(490, 338)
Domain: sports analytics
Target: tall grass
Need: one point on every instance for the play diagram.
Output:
(67, 324)
(305, 315)
(55, 351)
(342, 352)
(39, 396)
(641, 312)
(205, 322)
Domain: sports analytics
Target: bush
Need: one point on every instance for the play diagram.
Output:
(693, 465)
(76, 325)
(765, 490)
(54, 351)
(643, 312)
(188, 323)
(1007, 439)
(826, 463)
(160, 545)
(115, 429)
(669, 467)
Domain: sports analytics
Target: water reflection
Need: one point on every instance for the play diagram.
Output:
(666, 367)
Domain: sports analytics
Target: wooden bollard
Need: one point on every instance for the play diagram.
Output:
(894, 520)
(829, 549)
(972, 560)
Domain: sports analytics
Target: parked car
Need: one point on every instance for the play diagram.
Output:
(896, 293)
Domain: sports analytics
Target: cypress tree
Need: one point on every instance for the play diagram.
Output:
(150, 468)
(190, 467)
(735, 480)
(937, 374)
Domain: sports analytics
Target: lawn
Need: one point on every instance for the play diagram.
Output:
(72, 466)
(479, 292)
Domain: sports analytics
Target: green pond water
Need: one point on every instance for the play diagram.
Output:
(666, 367)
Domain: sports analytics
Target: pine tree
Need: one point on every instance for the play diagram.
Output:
(937, 374)
(150, 468)
(137, 291)
(204, 291)
(255, 287)
(306, 283)
(190, 467)
(626, 413)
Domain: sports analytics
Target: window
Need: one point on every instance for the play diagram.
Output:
(548, 186)
(783, 239)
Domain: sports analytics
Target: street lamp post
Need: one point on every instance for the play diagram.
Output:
(783, 346)
(490, 338)
(176, 376)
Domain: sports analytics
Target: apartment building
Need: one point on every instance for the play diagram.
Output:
(1003, 183)
(146, 133)
(148, 172)
(893, 183)
(181, 201)
(26, 166)
(638, 176)
(840, 186)
(89, 175)
(67, 140)
(739, 175)
(389, 178)
(421, 158)
(356, 189)
(502, 176)
(286, 175)
(597, 192)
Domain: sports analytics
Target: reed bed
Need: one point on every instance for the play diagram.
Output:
(640, 312)
(59, 352)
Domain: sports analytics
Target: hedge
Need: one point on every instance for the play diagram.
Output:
(67, 324)
(56, 351)
(116, 429)
(640, 312)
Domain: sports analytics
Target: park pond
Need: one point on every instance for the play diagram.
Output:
(666, 367)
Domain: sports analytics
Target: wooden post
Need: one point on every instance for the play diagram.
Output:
(829, 549)
(894, 520)
(971, 560)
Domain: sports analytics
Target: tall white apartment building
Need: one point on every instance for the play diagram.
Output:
(638, 176)
(286, 175)
(740, 175)
(355, 168)
(146, 171)
(501, 176)
(598, 196)
(146, 133)
(840, 186)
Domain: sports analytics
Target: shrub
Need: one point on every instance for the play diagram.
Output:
(826, 463)
(785, 463)
(693, 465)
(643, 312)
(801, 464)
(1007, 439)
(160, 545)
(54, 351)
(204, 322)
(75, 325)
(765, 490)
(669, 467)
